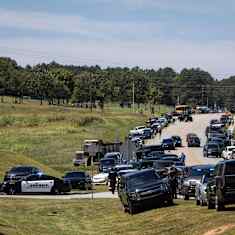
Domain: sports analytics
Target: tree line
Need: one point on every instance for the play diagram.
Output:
(56, 84)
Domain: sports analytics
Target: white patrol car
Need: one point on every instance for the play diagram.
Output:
(38, 183)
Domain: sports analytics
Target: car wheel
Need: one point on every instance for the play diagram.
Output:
(170, 201)
(210, 205)
(186, 197)
(125, 209)
(55, 191)
(219, 206)
(132, 208)
(11, 191)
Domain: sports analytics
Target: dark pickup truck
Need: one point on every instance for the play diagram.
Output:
(143, 188)
(221, 188)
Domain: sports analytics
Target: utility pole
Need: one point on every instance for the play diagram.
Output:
(133, 95)
(159, 97)
(91, 92)
(202, 95)
(178, 99)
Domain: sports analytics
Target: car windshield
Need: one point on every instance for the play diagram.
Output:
(107, 162)
(143, 179)
(167, 141)
(20, 169)
(230, 168)
(163, 164)
(75, 174)
(212, 146)
(199, 171)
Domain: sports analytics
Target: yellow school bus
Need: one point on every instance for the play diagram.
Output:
(182, 109)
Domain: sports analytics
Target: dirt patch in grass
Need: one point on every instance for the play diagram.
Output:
(220, 230)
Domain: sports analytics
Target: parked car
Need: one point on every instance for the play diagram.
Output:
(200, 190)
(192, 177)
(101, 178)
(79, 158)
(19, 172)
(193, 140)
(78, 179)
(113, 155)
(147, 133)
(221, 189)
(177, 140)
(211, 149)
(168, 144)
(36, 183)
(106, 164)
(141, 189)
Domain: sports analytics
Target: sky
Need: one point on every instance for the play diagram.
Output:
(145, 33)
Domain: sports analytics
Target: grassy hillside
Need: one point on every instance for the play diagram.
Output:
(8, 159)
(105, 216)
(51, 134)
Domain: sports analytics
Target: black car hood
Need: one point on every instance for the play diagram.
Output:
(147, 187)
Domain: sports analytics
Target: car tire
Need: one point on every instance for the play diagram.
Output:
(202, 203)
(170, 201)
(55, 191)
(219, 206)
(186, 197)
(131, 207)
(11, 191)
(210, 205)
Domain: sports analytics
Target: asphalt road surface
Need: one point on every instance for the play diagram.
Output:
(68, 196)
(194, 155)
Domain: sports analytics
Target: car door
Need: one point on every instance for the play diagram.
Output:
(37, 184)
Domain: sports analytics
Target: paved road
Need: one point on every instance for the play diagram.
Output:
(104, 195)
(198, 126)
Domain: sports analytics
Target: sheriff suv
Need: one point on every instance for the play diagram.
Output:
(221, 189)
(143, 188)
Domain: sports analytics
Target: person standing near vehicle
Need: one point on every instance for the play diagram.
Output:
(173, 182)
(113, 180)
(160, 132)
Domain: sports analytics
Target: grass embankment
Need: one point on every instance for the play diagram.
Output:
(106, 217)
(51, 134)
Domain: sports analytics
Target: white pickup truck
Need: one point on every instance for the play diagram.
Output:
(228, 153)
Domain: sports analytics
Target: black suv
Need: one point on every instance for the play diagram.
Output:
(221, 189)
(19, 172)
(143, 188)
(78, 180)
(193, 140)
(211, 149)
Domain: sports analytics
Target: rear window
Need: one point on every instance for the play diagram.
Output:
(75, 174)
(21, 169)
(230, 168)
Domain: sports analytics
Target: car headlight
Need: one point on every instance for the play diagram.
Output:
(133, 196)
(186, 183)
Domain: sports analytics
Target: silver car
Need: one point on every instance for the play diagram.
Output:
(200, 190)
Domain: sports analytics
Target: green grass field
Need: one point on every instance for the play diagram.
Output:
(50, 135)
(85, 217)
